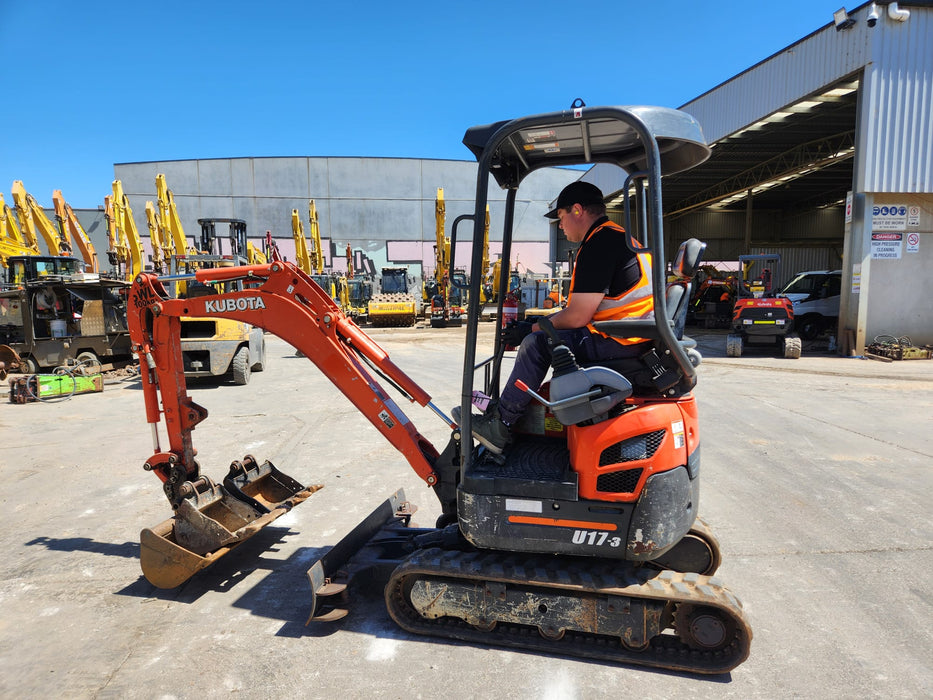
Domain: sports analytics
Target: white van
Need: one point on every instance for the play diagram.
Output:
(815, 295)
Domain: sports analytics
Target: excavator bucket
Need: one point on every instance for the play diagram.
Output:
(215, 519)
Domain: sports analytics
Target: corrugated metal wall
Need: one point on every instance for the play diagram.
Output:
(896, 140)
(801, 69)
(794, 260)
(897, 107)
(724, 232)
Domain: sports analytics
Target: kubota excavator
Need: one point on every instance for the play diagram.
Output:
(582, 538)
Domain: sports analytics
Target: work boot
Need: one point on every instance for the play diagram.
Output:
(491, 431)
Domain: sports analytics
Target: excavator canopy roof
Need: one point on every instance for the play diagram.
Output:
(573, 137)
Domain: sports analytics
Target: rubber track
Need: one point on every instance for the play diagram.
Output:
(565, 576)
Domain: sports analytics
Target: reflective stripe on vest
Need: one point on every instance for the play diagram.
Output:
(636, 302)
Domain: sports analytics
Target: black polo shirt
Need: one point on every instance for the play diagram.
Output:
(605, 264)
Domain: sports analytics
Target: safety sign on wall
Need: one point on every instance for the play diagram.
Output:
(888, 217)
(913, 242)
(885, 245)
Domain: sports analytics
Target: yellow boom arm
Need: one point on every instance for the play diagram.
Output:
(70, 226)
(161, 248)
(122, 218)
(172, 232)
(35, 223)
(316, 253)
(302, 257)
(442, 243)
(11, 237)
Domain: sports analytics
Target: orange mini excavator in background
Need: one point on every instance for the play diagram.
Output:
(582, 538)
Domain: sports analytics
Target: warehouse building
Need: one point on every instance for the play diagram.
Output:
(823, 153)
(383, 208)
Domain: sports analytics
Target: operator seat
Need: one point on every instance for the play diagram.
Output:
(655, 372)
(587, 393)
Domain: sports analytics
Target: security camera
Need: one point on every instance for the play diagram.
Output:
(872, 18)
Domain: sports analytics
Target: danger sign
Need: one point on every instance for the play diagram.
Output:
(886, 246)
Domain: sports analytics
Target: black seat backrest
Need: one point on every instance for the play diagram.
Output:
(685, 266)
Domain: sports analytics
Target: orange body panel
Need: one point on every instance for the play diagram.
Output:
(590, 445)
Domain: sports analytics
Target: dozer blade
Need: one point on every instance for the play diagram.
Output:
(326, 592)
(215, 519)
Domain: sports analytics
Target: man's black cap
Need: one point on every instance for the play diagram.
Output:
(578, 192)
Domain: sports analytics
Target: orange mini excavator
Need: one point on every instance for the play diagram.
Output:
(582, 538)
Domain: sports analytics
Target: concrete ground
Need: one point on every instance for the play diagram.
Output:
(816, 478)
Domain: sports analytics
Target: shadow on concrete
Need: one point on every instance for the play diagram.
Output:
(232, 570)
(130, 550)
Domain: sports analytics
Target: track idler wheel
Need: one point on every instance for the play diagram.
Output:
(704, 628)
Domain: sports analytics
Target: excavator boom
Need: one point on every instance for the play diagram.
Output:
(301, 244)
(159, 252)
(12, 241)
(128, 235)
(35, 223)
(314, 231)
(282, 299)
(173, 234)
(70, 226)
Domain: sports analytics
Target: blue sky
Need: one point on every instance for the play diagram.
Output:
(90, 84)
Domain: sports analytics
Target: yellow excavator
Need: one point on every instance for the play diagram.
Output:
(354, 291)
(442, 297)
(161, 248)
(126, 248)
(12, 242)
(302, 255)
(485, 290)
(70, 227)
(311, 258)
(35, 223)
(254, 256)
(170, 221)
(314, 231)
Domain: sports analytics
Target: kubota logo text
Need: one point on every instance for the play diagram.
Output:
(219, 306)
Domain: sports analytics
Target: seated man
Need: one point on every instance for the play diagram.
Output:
(611, 280)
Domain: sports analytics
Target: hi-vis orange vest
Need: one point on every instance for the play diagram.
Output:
(635, 302)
